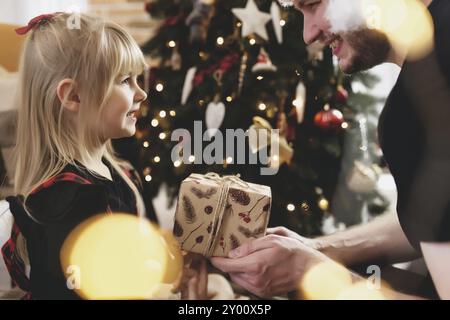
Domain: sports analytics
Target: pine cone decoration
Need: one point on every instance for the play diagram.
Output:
(240, 197)
(234, 241)
(177, 229)
(189, 210)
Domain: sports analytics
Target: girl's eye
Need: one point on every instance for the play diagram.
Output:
(126, 80)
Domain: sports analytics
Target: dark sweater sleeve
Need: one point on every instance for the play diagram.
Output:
(427, 82)
(56, 211)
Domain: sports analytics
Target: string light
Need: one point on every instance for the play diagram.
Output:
(229, 160)
(282, 23)
(148, 178)
(146, 144)
(172, 113)
(162, 114)
(239, 24)
(159, 87)
(323, 204)
(172, 44)
(252, 42)
(177, 163)
(191, 159)
(344, 125)
(220, 41)
(162, 135)
(229, 98)
(155, 123)
(304, 206)
(259, 78)
(262, 107)
(290, 207)
(156, 159)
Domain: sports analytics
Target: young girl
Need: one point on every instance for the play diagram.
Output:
(78, 90)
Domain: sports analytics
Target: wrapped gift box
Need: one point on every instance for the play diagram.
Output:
(217, 214)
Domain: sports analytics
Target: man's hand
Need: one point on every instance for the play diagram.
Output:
(271, 265)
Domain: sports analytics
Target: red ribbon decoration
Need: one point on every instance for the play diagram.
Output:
(35, 22)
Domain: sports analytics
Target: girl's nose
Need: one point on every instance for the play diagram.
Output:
(140, 95)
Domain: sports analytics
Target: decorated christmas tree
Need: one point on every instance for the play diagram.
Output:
(236, 64)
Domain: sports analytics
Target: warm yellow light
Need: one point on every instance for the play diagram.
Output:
(282, 23)
(229, 160)
(162, 135)
(172, 113)
(344, 125)
(361, 291)
(156, 159)
(146, 144)
(162, 114)
(407, 23)
(262, 107)
(259, 78)
(155, 122)
(323, 204)
(229, 98)
(172, 44)
(220, 41)
(191, 159)
(119, 256)
(290, 207)
(325, 281)
(252, 41)
(148, 178)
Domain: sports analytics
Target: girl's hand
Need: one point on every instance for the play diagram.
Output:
(194, 282)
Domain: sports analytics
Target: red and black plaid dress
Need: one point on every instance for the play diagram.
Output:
(58, 206)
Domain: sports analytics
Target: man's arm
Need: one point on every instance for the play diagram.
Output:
(381, 240)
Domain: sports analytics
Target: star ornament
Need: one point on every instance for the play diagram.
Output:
(253, 20)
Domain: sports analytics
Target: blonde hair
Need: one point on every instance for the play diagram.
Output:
(93, 56)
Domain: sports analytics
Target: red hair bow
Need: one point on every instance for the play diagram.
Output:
(35, 22)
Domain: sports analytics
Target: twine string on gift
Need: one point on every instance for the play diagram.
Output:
(219, 211)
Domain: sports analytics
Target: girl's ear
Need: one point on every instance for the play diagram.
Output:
(68, 95)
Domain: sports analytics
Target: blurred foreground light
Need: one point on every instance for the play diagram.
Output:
(407, 23)
(120, 256)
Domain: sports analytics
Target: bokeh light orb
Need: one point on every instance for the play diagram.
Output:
(119, 256)
(407, 23)
(325, 281)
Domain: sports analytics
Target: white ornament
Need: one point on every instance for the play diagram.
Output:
(215, 113)
(276, 20)
(253, 20)
(188, 85)
(300, 101)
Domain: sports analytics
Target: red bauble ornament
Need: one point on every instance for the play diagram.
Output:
(329, 119)
(341, 95)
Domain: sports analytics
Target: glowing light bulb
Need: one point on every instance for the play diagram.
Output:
(159, 87)
(290, 207)
(154, 123)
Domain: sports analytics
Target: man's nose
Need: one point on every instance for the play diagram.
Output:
(311, 32)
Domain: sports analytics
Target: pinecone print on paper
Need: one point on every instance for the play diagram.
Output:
(240, 197)
(208, 210)
(265, 211)
(189, 211)
(234, 242)
(198, 240)
(177, 229)
(200, 194)
(251, 234)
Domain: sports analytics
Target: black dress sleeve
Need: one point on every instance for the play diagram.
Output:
(55, 211)
(427, 216)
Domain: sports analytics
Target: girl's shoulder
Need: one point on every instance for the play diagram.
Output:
(69, 191)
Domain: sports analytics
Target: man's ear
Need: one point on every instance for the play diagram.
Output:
(68, 95)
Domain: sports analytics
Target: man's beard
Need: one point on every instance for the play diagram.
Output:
(369, 48)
